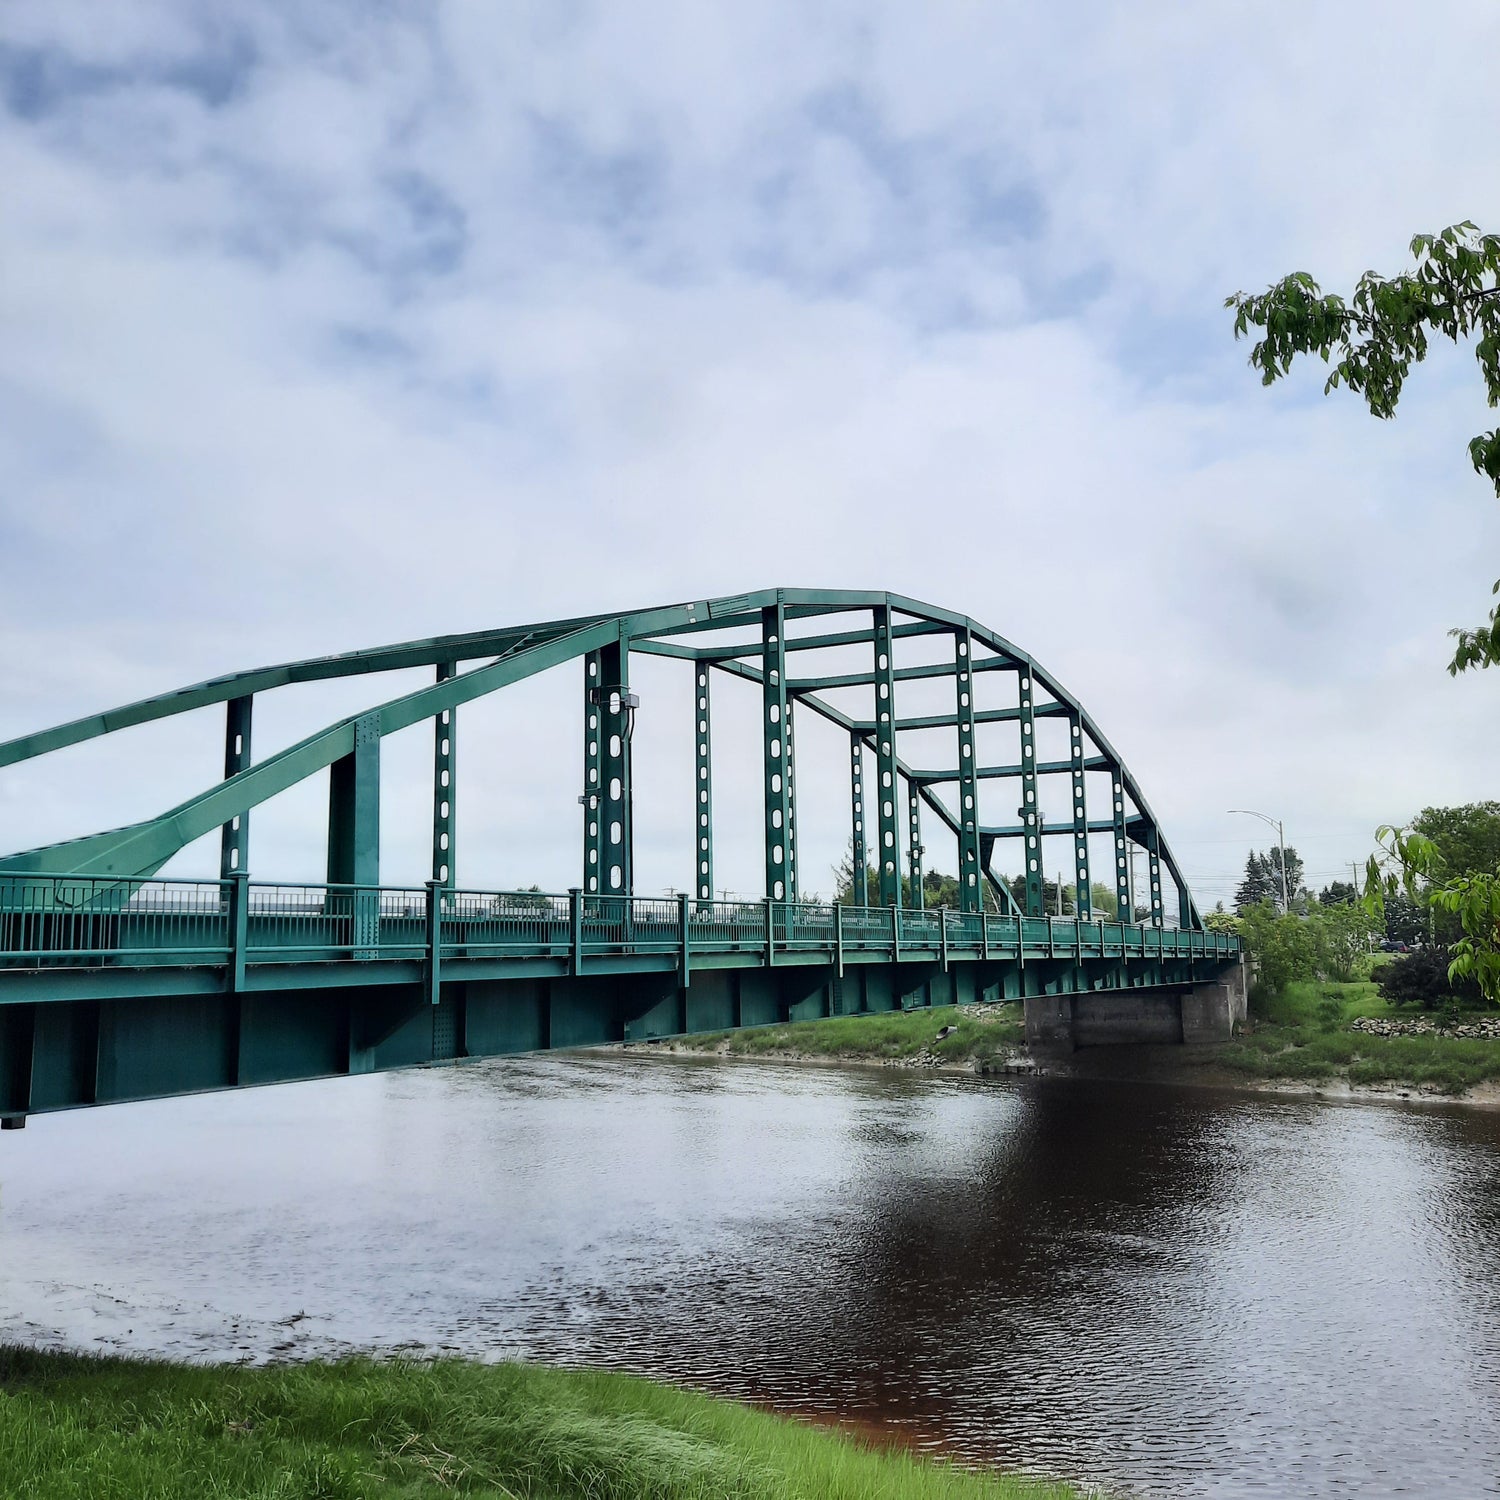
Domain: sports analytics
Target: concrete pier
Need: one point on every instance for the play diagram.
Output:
(1197, 1015)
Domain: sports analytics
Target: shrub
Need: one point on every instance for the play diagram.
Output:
(1421, 978)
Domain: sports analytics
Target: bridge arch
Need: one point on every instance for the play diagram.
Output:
(761, 638)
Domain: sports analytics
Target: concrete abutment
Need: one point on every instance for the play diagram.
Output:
(1201, 1014)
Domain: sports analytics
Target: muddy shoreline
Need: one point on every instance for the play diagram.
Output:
(1127, 1064)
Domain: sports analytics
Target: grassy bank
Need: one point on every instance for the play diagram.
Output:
(982, 1034)
(1302, 1034)
(82, 1428)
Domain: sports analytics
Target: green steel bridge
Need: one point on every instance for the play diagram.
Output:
(117, 983)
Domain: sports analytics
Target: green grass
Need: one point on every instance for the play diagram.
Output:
(84, 1428)
(1301, 1034)
(982, 1034)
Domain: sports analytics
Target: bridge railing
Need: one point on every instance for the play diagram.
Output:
(48, 921)
(52, 920)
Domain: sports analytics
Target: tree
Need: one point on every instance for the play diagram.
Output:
(1325, 943)
(1405, 918)
(1104, 901)
(1262, 880)
(1256, 886)
(1467, 838)
(1373, 339)
(1296, 894)
(1339, 893)
(938, 890)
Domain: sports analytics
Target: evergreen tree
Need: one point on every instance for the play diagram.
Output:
(1257, 886)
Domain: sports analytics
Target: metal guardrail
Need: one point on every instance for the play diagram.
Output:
(50, 921)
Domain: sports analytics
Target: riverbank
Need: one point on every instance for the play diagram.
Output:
(1316, 1034)
(74, 1426)
(1327, 1038)
(967, 1039)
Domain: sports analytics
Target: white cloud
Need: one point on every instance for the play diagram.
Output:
(323, 329)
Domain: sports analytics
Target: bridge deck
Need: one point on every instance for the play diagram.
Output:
(73, 937)
(115, 989)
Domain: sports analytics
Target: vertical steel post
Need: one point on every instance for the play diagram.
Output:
(234, 839)
(793, 885)
(888, 851)
(434, 924)
(614, 726)
(703, 782)
(859, 894)
(970, 878)
(593, 771)
(575, 926)
(239, 929)
(1153, 855)
(777, 755)
(1083, 898)
(354, 809)
(1124, 886)
(354, 833)
(444, 787)
(1030, 812)
(914, 849)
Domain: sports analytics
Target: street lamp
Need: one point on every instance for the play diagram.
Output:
(1286, 901)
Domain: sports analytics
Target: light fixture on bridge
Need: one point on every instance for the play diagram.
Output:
(625, 702)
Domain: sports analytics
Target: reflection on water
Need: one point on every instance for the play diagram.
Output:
(1170, 1291)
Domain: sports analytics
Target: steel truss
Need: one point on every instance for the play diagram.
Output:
(756, 637)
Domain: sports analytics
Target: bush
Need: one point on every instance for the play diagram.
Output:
(1327, 942)
(1421, 978)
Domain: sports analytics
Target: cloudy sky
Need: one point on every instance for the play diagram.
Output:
(325, 325)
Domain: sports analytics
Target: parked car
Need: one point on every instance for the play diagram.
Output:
(1392, 946)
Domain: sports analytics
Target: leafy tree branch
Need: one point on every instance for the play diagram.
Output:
(1373, 338)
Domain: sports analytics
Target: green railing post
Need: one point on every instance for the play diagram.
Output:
(435, 889)
(682, 932)
(575, 917)
(770, 932)
(239, 928)
(838, 938)
(943, 917)
(896, 934)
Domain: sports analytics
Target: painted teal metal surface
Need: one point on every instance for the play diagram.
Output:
(114, 989)
(85, 921)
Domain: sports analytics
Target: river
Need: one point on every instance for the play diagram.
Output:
(1162, 1290)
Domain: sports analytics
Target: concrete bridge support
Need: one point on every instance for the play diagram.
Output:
(1196, 1015)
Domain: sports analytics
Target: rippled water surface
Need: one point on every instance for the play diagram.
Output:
(1167, 1291)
